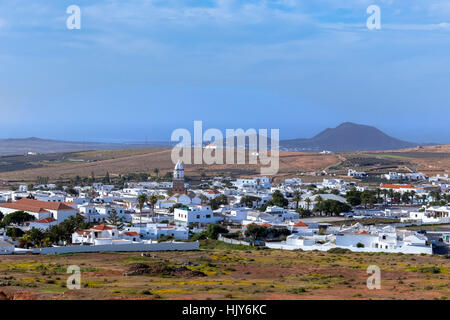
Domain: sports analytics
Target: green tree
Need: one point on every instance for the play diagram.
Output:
(36, 236)
(213, 230)
(14, 232)
(68, 227)
(277, 232)
(113, 218)
(249, 200)
(176, 205)
(303, 212)
(332, 207)
(26, 241)
(72, 191)
(279, 200)
(353, 197)
(368, 198)
(255, 231)
(107, 179)
(17, 217)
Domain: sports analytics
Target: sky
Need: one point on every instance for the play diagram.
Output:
(139, 69)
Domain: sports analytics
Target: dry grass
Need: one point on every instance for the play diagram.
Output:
(146, 160)
(231, 274)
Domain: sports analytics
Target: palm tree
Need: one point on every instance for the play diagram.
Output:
(391, 195)
(424, 198)
(378, 194)
(417, 197)
(297, 198)
(412, 193)
(397, 196)
(156, 171)
(153, 200)
(141, 199)
(318, 202)
(308, 203)
(385, 193)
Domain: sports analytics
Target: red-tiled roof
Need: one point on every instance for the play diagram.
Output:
(212, 191)
(32, 205)
(101, 227)
(397, 186)
(131, 234)
(46, 220)
(165, 227)
(85, 232)
(300, 224)
(263, 225)
(22, 207)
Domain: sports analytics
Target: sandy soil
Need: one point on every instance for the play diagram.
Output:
(230, 274)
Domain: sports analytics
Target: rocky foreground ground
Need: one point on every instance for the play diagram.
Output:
(220, 271)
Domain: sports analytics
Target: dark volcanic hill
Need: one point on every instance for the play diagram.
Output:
(347, 137)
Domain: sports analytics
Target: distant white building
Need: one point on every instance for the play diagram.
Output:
(293, 182)
(155, 231)
(257, 182)
(356, 174)
(431, 215)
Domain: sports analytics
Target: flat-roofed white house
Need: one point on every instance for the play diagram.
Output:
(42, 224)
(155, 231)
(430, 215)
(389, 241)
(201, 214)
(281, 213)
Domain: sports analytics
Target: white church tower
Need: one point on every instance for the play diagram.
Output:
(178, 178)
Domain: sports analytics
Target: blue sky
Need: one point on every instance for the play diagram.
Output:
(139, 69)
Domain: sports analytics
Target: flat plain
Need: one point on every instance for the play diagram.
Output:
(222, 271)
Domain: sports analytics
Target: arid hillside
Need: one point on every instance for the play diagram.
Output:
(117, 162)
(429, 160)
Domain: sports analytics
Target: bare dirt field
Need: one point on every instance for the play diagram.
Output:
(428, 160)
(220, 271)
(146, 160)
